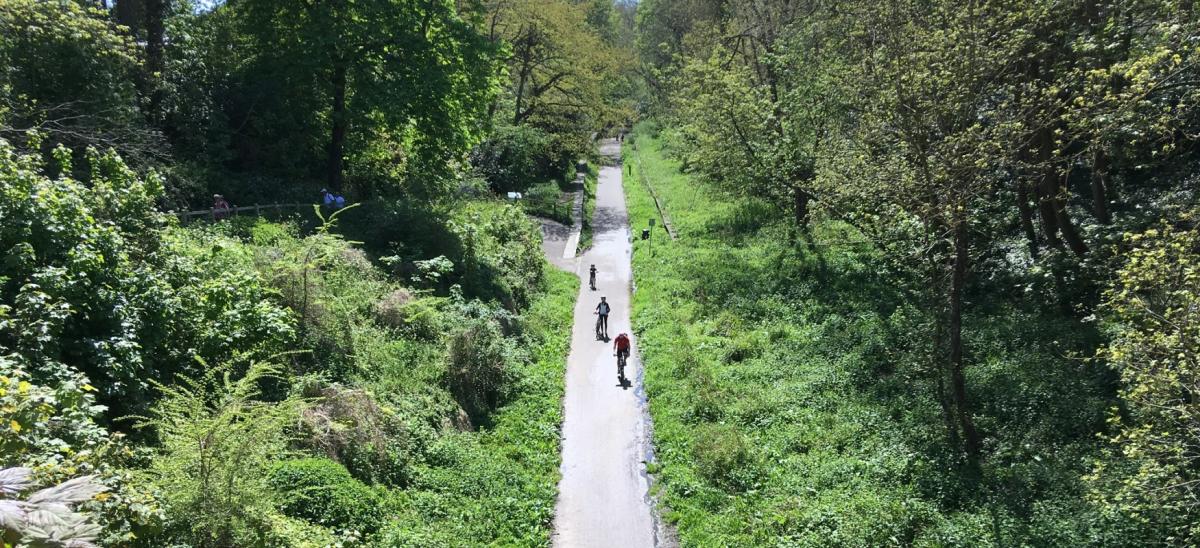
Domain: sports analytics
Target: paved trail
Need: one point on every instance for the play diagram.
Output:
(603, 496)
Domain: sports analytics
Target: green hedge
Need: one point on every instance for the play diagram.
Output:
(323, 492)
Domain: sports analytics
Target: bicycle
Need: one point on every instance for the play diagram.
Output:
(599, 325)
(621, 359)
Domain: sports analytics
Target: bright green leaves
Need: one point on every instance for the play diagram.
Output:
(89, 286)
(69, 72)
(1155, 305)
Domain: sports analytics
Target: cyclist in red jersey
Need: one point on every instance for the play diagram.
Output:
(621, 345)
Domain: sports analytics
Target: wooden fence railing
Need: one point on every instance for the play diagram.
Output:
(214, 214)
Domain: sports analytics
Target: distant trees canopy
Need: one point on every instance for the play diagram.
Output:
(264, 99)
(564, 62)
(414, 71)
(965, 140)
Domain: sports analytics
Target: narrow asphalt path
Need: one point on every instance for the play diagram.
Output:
(603, 498)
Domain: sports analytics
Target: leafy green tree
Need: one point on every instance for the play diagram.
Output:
(418, 69)
(67, 72)
(515, 157)
(1150, 475)
(559, 65)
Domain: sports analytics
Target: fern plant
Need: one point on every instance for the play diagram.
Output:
(219, 440)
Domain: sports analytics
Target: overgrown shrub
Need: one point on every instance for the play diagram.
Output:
(514, 158)
(216, 491)
(390, 310)
(721, 456)
(420, 317)
(322, 491)
(349, 426)
(478, 362)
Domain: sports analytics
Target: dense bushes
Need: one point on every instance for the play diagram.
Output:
(104, 301)
(92, 283)
(501, 254)
(517, 157)
(321, 491)
(478, 361)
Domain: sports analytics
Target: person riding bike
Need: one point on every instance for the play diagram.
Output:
(602, 311)
(592, 278)
(621, 346)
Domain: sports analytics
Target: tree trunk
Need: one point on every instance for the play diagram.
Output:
(1100, 187)
(958, 382)
(939, 347)
(129, 13)
(1027, 218)
(1070, 234)
(800, 200)
(947, 409)
(337, 138)
(1047, 190)
(155, 58)
(517, 116)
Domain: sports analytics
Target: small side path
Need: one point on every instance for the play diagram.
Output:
(603, 496)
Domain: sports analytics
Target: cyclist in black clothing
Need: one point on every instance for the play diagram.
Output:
(592, 278)
(602, 310)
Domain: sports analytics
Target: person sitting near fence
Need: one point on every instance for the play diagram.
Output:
(220, 207)
(331, 200)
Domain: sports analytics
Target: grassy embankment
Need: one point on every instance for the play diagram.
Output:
(441, 474)
(791, 398)
(497, 486)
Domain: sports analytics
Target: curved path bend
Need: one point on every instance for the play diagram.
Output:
(603, 496)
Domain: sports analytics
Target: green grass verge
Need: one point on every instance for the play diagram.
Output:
(791, 398)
